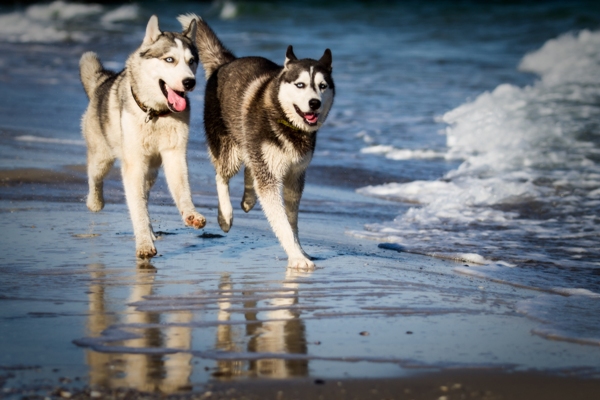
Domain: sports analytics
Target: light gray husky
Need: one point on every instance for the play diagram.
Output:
(141, 115)
(265, 116)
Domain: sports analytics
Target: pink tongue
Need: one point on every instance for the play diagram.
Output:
(312, 118)
(179, 103)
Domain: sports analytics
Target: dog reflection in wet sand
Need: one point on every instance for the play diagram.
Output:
(278, 336)
(161, 350)
(142, 371)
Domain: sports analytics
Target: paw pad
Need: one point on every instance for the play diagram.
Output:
(195, 220)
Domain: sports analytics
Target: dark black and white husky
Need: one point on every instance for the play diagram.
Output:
(265, 116)
(141, 115)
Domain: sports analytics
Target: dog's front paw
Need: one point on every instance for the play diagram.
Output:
(195, 220)
(301, 264)
(94, 203)
(145, 251)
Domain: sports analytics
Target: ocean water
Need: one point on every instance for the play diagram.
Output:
(480, 123)
(527, 190)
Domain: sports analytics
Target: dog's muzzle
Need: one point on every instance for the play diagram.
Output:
(311, 118)
(176, 100)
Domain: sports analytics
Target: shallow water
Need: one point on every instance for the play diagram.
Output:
(462, 131)
(78, 311)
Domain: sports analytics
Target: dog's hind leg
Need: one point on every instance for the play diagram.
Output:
(226, 165)
(249, 198)
(225, 216)
(176, 172)
(99, 164)
(151, 177)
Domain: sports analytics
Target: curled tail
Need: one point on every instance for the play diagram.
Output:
(210, 49)
(92, 73)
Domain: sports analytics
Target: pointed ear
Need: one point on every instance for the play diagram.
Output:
(152, 31)
(289, 56)
(190, 32)
(326, 60)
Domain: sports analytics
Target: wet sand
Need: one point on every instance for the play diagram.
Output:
(220, 313)
(476, 385)
(449, 385)
(23, 176)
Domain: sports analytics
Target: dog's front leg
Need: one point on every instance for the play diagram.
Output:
(271, 201)
(135, 172)
(176, 172)
(293, 186)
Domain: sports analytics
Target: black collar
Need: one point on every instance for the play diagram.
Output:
(150, 112)
(290, 125)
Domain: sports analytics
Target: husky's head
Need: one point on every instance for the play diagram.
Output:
(306, 90)
(166, 66)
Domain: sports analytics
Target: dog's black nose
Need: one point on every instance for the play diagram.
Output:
(189, 83)
(314, 104)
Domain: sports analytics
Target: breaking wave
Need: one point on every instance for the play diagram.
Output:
(60, 21)
(528, 188)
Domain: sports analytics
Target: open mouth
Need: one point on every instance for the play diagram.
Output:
(175, 99)
(311, 118)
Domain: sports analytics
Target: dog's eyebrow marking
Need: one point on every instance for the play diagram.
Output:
(302, 76)
(189, 54)
(160, 49)
(180, 48)
(319, 78)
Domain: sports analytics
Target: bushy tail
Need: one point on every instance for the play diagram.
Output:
(210, 49)
(91, 72)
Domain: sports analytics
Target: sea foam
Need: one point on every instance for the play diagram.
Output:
(528, 187)
(40, 139)
(60, 21)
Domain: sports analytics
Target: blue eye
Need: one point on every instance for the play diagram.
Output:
(169, 59)
(192, 61)
(323, 86)
(300, 85)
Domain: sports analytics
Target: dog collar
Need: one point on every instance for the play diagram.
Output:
(150, 112)
(288, 124)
